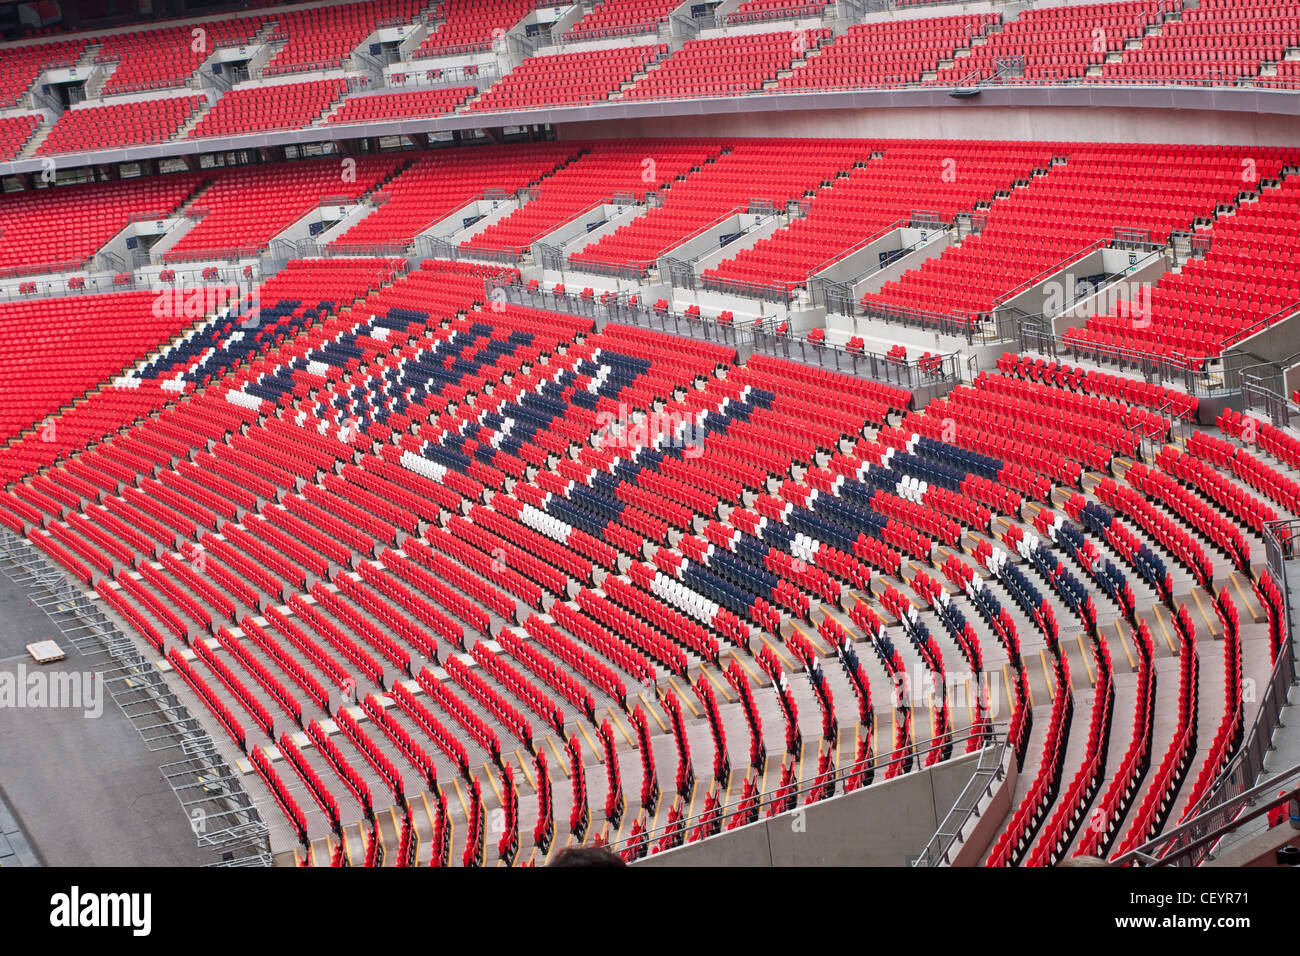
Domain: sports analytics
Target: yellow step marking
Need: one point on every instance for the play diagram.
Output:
(561, 760)
(722, 688)
(685, 699)
(598, 751)
(464, 807)
(1160, 619)
(652, 712)
(492, 780)
(1132, 664)
(1247, 597)
(523, 767)
(745, 667)
(428, 812)
(1047, 676)
(1087, 665)
(1209, 624)
(779, 656)
(821, 651)
(622, 728)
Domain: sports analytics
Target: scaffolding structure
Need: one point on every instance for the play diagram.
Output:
(223, 815)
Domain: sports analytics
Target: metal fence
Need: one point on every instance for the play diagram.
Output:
(989, 770)
(1260, 395)
(1219, 377)
(224, 817)
(926, 378)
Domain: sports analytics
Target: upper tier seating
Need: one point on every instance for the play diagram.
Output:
(15, 131)
(887, 54)
(1060, 215)
(245, 208)
(59, 228)
(270, 106)
(472, 25)
(164, 58)
(1059, 42)
(725, 66)
(875, 197)
(1245, 279)
(115, 125)
(435, 101)
(753, 10)
(1216, 43)
(321, 38)
(21, 65)
(567, 79)
(613, 18)
(761, 170)
(608, 169)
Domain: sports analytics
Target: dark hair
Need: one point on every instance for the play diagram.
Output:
(586, 856)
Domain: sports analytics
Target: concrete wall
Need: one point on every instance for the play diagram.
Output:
(939, 241)
(751, 238)
(708, 240)
(1277, 342)
(574, 237)
(941, 120)
(1149, 270)
(886, 824)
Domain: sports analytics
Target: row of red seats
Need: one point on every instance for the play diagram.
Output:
(220, 711)
(573, 655)
(270, 106)
(262, 674)
(567, 79)
(1157, 801)
(1221, 532)
(459, 711)
(550, 672)
(519, 685)
(299, 674)
(1015, 841)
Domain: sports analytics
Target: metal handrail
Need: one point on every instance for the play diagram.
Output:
(1157, 852)
(954, 822)
(1264, 323)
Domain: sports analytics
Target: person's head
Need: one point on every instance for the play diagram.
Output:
(586, 856)
(1083, 861)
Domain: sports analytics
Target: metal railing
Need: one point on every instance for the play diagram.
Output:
(977, 329)
(1210, 377)
(1270, 320)
(1192, 842)
(828, 293)
(1261, 394)
(926, 378)
(203, 782)
(785, 13)
(989, 770)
